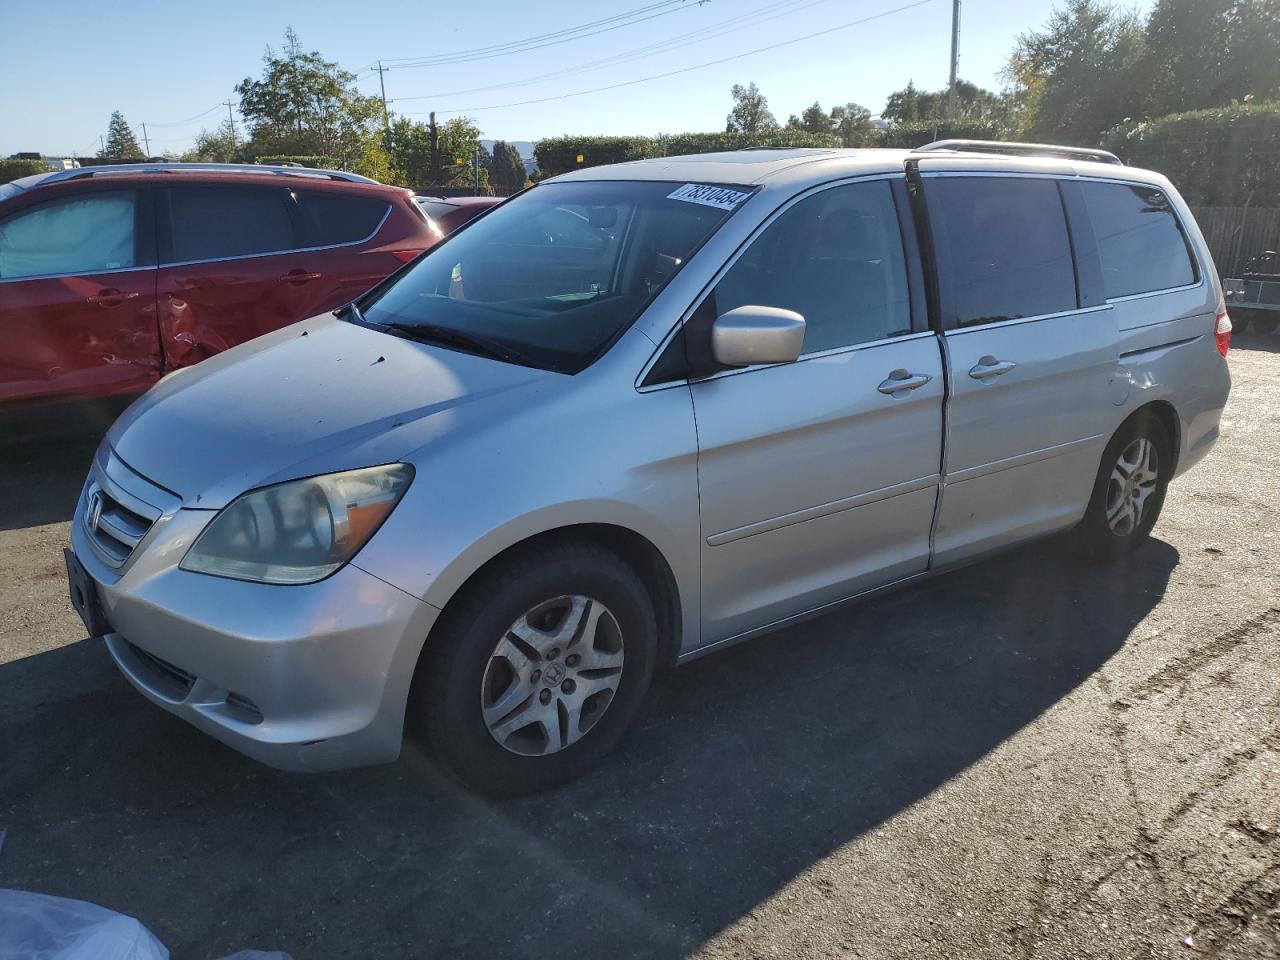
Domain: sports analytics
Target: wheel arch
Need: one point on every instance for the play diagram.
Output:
(1166, 415)
(636, 550)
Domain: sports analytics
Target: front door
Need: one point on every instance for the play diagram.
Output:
(77, 297)
(818, 479)
(1032, 349)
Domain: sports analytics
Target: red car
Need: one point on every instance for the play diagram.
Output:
(112, 276)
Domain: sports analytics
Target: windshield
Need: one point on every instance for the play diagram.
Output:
(557, 273)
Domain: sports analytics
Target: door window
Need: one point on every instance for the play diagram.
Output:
(1140, 242)
(84, 235)
(836, 259)
(336, 218)
(1004, 249)
(214, 222)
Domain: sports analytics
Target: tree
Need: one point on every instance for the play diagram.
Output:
(852, 124)
(458, 143)
(1080, 74)
(121, 143)
(813, 120)
(506, 170)
(750, 113)
(216, 147)
(910, 104)
(1209, 53)
(306, 105)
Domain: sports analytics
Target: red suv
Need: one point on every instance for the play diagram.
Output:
(112, 276)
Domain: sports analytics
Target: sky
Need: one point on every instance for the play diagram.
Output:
(171, 64)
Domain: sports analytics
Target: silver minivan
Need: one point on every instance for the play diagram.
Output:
(634, 415)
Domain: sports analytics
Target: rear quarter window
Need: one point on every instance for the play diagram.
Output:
(1141, 244)
(335, 218)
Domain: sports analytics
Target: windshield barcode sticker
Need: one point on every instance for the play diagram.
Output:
(708, 196)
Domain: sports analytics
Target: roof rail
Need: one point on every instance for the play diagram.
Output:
(1023, 150)
(59, 175)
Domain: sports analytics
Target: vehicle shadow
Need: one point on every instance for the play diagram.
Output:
(744, 770)
(1262, 343)
(45, 453)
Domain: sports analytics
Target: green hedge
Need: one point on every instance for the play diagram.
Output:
(556, 155)
(917, 133)
(1214, 157)
(315, 162)
(16, 169)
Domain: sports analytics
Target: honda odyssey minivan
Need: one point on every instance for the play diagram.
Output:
(634, 415)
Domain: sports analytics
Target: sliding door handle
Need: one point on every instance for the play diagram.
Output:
(989, 367)
(902, 381)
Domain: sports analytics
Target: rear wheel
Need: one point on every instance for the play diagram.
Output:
(1264, 323)
(1130, 487)
(538, 669)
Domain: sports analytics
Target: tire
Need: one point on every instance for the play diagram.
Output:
(1263, 325)
(537, 669)
(1126, 504)
(1239, 324)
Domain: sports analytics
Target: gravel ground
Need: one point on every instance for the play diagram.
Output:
(1031, 757)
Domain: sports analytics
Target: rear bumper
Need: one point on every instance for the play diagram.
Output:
(302, 678)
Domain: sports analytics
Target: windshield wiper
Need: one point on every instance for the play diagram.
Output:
(462, 339)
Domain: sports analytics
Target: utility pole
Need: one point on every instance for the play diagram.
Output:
(435, 150)
(146, 141)
(103, 144)
(386, 118)
(475, 170)
(231, 119)
(955, 58)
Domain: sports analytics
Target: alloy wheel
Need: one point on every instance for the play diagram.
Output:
(1133, 480)
(552, 675)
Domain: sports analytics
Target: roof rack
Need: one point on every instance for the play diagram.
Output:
(75, 174)
(1022, 150)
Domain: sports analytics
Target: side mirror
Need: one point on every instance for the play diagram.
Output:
(747, 335)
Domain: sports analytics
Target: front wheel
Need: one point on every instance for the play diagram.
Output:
(1130, 487)
(538, 669)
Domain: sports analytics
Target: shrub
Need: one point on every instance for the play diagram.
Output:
(557, 155)
(916, 133)
(16, 169)
(1215, 157)
(315, 162)
(683, 144)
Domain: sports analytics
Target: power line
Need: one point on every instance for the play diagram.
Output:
(732, 25)
(631, 18)
(696, 66)
(182, 123)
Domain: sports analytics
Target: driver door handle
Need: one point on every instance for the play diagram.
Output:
(902, 381)
(299, 276)
(989, 367)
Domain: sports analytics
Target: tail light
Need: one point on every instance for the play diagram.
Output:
(1222, 331)
(404, 256)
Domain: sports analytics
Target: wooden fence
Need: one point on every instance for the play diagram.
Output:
(1235, 234)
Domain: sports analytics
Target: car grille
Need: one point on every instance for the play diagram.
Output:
(114, 528)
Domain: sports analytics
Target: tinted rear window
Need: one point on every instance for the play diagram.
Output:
(435, 208)
(213, 222)
(1004, 247)
(338, 218)
(1140, 242)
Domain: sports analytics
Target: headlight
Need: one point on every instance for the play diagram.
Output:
(300, 531)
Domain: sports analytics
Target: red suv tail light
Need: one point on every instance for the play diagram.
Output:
(1222, 331)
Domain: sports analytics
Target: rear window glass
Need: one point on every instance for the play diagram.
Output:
(214, 222)
(337, 218)
(435, 208)
(1005, 248)
(1140, 242)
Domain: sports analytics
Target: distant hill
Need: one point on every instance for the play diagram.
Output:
(526, 152)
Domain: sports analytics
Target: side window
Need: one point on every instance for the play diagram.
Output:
(216, 221)
(87, 234)
(1003, 248)
(334, 218)
(835, 258)
(1140, 242)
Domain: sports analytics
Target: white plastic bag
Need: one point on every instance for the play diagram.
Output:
(38, 927)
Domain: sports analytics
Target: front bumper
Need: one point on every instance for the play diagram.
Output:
(312, 677)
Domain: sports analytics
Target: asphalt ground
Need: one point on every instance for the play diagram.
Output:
(1030, 757)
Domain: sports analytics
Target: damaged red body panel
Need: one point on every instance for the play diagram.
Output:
(111, 277)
